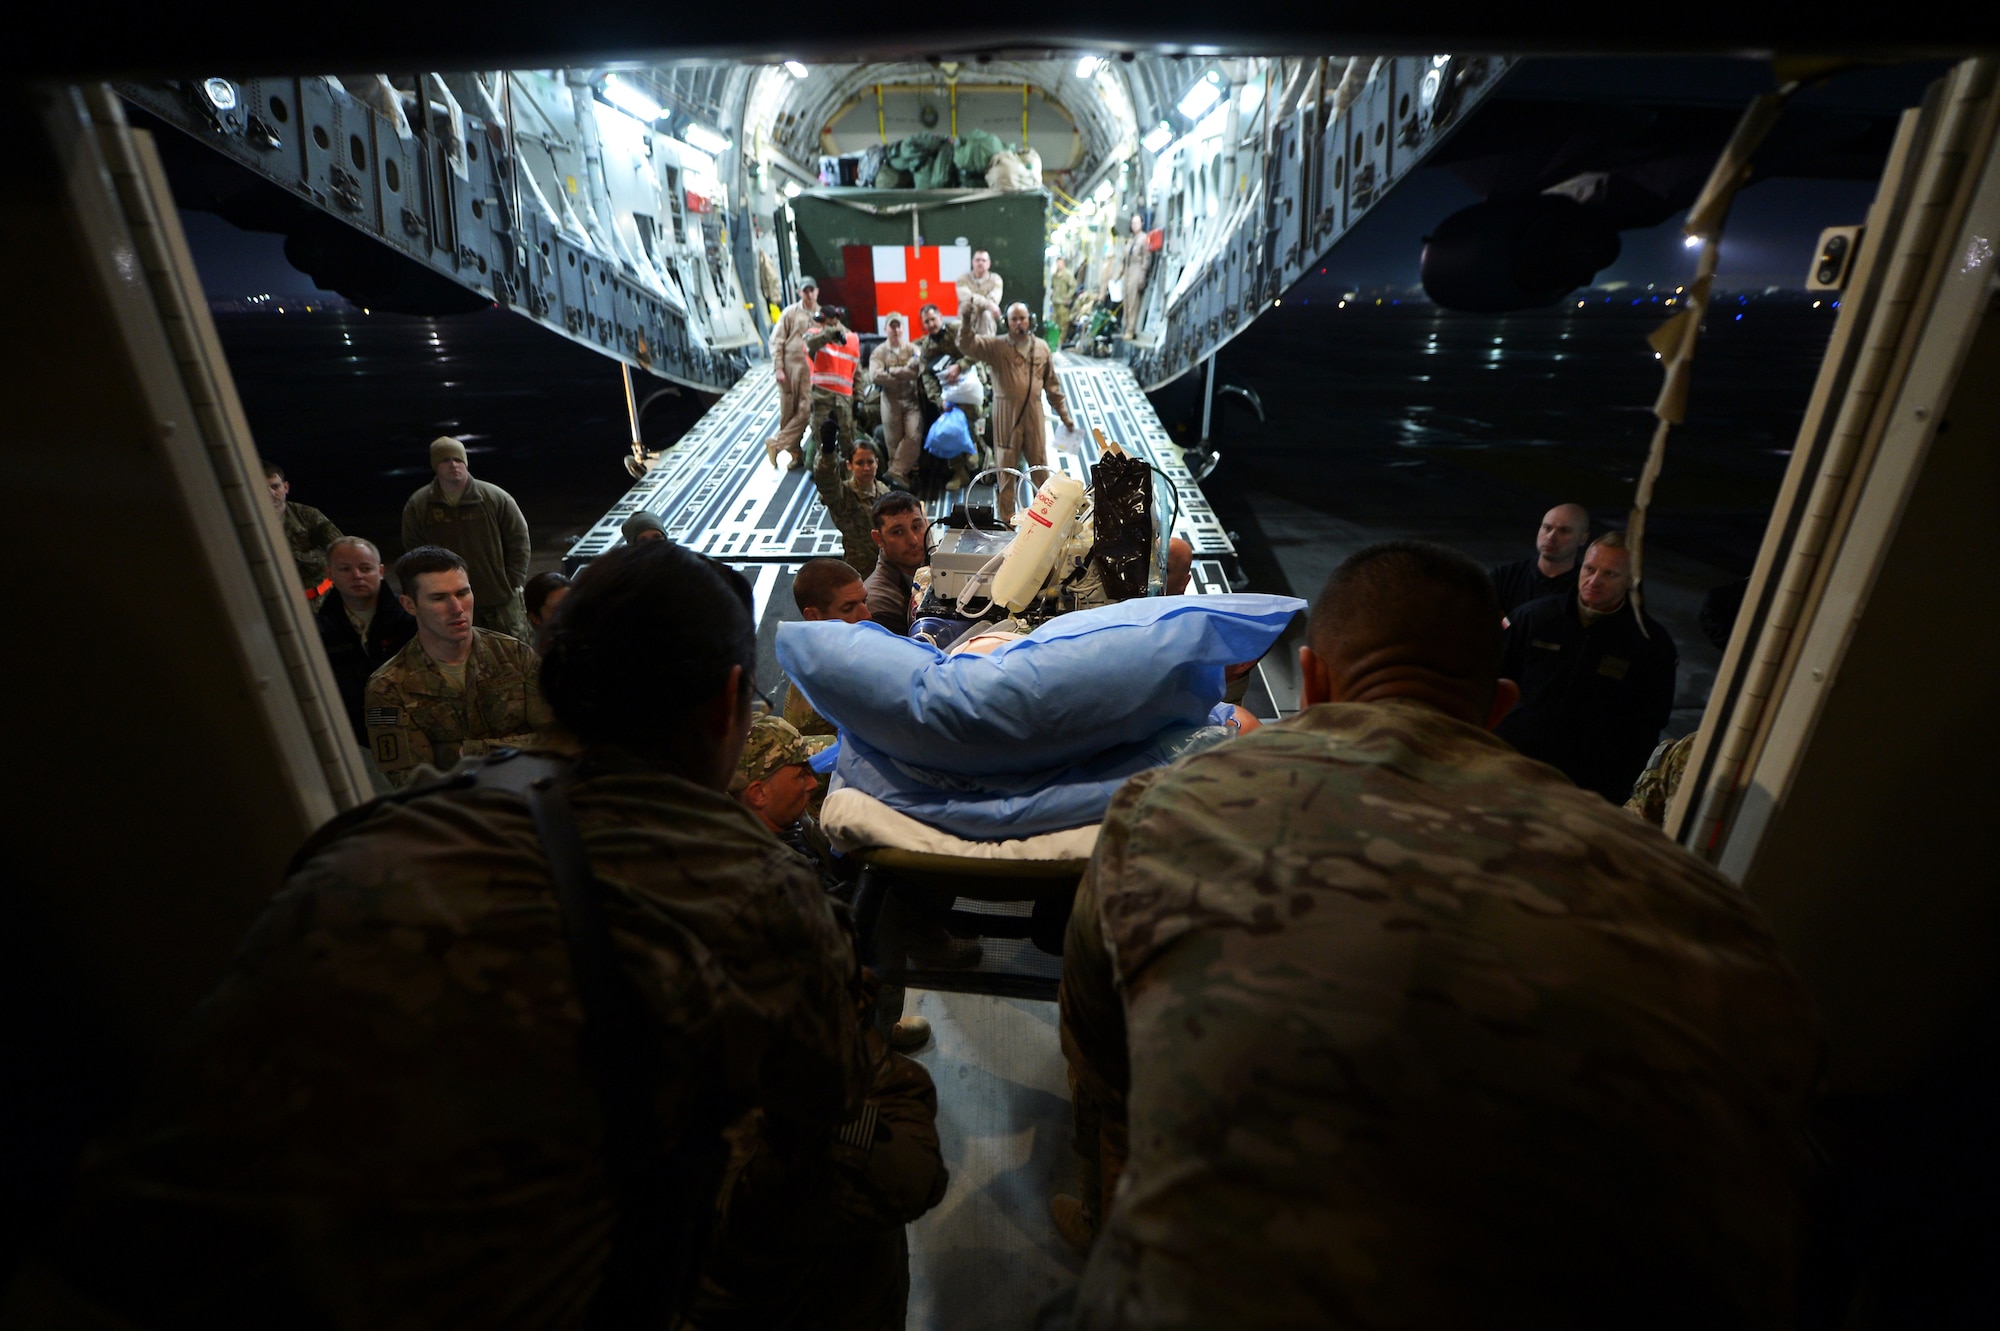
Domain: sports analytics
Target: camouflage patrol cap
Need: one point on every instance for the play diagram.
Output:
(774, 743)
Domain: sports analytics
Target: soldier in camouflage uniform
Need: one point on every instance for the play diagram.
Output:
(454, 691)
(849, 491)
(836, 357)
(308, 532)
(773, 781)
(481, 524)
(1654, 790)
(382, 1117)
(941, 340)
(1405, 1030)
(823, 589)
(803, 1245)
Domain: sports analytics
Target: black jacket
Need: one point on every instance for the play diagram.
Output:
(1593, 700)
(354, 660)
(1522, 581)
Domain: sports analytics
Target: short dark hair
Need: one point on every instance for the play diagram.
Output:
(889, 505)
(867, 442)
(273, 469)
(536, 594)
(425, 559)
(658, 619)
(929, 307)
(817, 580)
(1427, 600)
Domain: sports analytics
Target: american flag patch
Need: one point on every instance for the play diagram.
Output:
(860, 1133)
(384, 716)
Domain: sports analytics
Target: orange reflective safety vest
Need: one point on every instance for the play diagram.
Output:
(833, 365)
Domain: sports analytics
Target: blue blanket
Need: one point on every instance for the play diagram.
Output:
(1079, 686)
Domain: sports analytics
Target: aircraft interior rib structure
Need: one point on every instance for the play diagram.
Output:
(624, 207)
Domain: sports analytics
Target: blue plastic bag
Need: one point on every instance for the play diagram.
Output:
(1077, 686)
(949, 437)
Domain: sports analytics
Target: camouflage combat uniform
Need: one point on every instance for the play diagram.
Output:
(1062, 295)
(802, 716)
(813, 1239)
(1408, 1031)
(935, 346)
(1655, 788)
(309, 532)
(416, 715)
(835, 361)
(852, 510)
(774, 742)
(485, 529)
(381, 1117)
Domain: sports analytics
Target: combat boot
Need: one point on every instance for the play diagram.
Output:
(1072, 1221)
(771, 453)
(940, 951)
(909, 1033)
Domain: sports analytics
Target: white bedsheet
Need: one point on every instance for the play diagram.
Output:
(858, 821)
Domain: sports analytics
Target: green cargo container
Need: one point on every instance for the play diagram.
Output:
(1012, 227)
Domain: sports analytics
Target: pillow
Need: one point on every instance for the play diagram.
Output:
(1078, 685)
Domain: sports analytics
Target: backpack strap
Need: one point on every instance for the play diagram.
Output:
(665, 1183)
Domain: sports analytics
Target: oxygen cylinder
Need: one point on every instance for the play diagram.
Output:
(1042, 530)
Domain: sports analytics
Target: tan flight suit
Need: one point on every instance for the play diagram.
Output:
(1023, 372)
(987, 322)
(788, 349)
(895, 370)
(416, 715)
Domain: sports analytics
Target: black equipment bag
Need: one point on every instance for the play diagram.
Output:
(1121, 502)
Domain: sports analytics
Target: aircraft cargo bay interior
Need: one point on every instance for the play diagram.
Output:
(848, 681)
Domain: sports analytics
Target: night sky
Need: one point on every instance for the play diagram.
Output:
(1768, 240)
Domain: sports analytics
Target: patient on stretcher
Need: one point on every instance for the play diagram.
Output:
(1013, 746)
